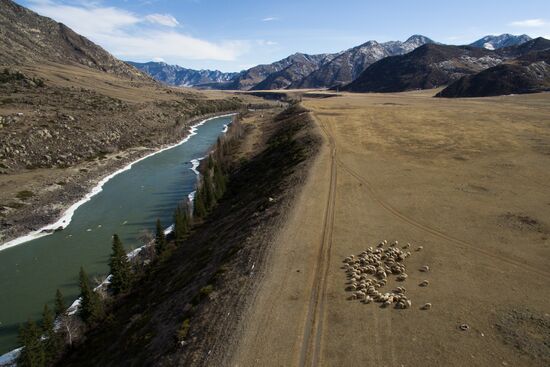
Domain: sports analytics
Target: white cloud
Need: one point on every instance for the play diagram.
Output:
(130, 36)
(158, 59)
(86, 19)
(162, 19)
(529, 23)
(172, 45)
(266, 43)
(269, 19)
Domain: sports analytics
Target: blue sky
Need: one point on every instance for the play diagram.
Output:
(231, 35)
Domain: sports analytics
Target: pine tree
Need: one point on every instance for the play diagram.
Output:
(32, 354)
(91, 309)
(52, 340)
(121, 269)
(199, 208)
(160, 238)
(210, 162)
(219, 148)
(219, 181)
(209, 198)
(60, 306)
(181, 223)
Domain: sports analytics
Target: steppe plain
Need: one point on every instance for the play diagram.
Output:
(466, 179)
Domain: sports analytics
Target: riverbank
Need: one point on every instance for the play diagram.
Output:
(95, 177)
(57, 193)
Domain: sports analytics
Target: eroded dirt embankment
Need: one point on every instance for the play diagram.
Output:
(187, 311)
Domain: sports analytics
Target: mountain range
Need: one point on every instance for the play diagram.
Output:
(179, 76)
(504, 40)
(321, 70)
(434, 65)
(529, 73)
(347, 65)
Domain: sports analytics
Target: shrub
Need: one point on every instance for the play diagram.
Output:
(205, 291)
(24, 195)
(184, 329)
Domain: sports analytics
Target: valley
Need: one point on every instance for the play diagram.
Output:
(314, 190)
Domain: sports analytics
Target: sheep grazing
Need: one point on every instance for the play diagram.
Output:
(425, 269)
(426, 306)
(403, 304)
(424, 283)
(419, 248)
(402, 277)
(370, 271)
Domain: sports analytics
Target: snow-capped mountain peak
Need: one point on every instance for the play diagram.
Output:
(493, 42)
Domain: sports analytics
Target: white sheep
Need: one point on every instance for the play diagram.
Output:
(426, 306)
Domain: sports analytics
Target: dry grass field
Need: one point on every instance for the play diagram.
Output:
(468, 180)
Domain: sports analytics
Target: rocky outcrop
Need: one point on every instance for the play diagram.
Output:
(527, 74)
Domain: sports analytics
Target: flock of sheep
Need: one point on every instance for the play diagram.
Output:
(368, 273)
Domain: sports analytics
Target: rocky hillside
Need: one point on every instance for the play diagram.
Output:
(527, 74)
(504, 40)
(26, 37)
(284, 78)
(179, 76)
(537, 44)
(349, 64)
(428, 66)
(298, 62)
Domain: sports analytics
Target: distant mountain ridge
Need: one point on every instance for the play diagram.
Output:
(434, 65)
(180, 76)
(295, 65)
(298, 70)
(504, 40)
(347, 65)
(440, 65)
(529, 73)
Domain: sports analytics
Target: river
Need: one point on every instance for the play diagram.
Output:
(129, 203)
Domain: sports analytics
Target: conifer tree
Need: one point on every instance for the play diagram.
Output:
(60, 306)
(121, 269)
(219, 181)
(160, 238)
(32, 354)
(209, 198)
(210, 162)
(52, 341)
(91, 309)
(181, 223)
(199, 208)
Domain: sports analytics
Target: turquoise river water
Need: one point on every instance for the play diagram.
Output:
(129, 203)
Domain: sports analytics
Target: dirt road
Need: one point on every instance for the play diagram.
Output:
(462, 178)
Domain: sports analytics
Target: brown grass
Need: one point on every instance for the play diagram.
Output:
(464, 178)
